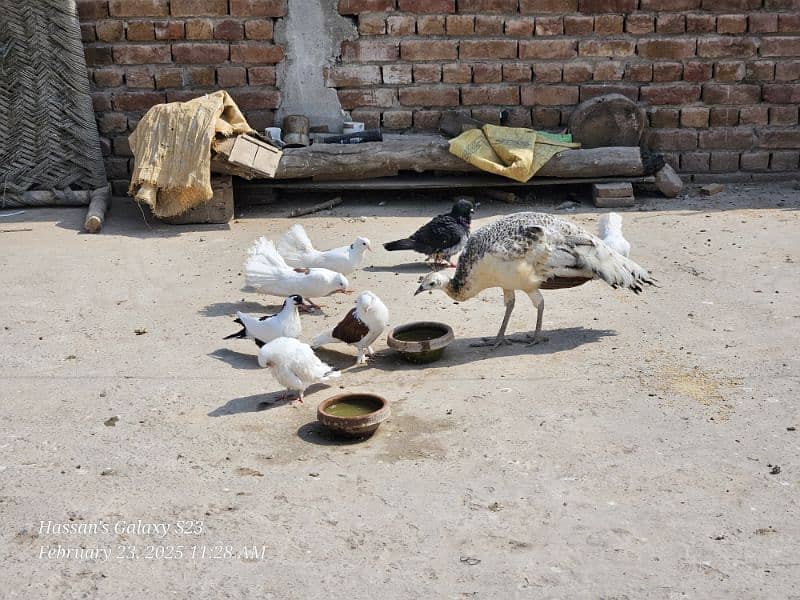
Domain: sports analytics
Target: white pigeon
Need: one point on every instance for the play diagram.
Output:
(609, 229)
(294, 365)
(298, 251)
(285, 323)
(266, 271)
(360, 327)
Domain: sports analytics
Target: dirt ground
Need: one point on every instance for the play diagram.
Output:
(635, 455)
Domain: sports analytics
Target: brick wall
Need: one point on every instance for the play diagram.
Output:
(720, 78)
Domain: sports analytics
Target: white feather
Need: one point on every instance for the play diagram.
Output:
(294, 365)
(298, 251)
(609, 228)
(266, 271)
(284, 324)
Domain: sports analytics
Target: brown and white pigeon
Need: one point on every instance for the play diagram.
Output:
(360, 327)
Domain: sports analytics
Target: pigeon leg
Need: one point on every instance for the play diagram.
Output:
(361, 359)
(537, 337)
(500, 339)
(370, 351)
(300, 396)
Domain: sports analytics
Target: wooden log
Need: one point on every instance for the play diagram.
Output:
(98, 206)
(327, 205)
(327, 162)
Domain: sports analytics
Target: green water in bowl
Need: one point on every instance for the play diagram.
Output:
(422, 334)
(355, 407)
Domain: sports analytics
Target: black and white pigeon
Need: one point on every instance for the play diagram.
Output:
(441, 238)
(360, 327)
(284, 323)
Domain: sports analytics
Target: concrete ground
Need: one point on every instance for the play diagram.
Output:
(635, 455)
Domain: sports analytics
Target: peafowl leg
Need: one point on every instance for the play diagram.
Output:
(500, 339)
(536, 337)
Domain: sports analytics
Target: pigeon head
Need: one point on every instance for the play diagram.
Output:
(433, 281)
(463, 208)
(297, 300)
(341, 283)
(361, 244)
(364, 300)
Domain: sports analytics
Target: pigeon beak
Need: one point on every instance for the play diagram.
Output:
(420, 289)
(304, 307)
(369, 247)
(342, 291)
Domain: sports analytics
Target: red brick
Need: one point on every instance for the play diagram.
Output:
(252, 99)
(397, 119)
(519, 27)
(197, 8)
(487, 73)
(718, 93)
(460, 25)
(427, 73)
(694, 162)
(370, 51)
(199, 29)
(545, 26)
(200, 76)
(780, 46)
(110, 31)
(729, 71)
(258, 29)
(138, 8)
(401, 25)
(200, 53)
(427, 6)
(397, 74)
(92, 10)
(639, 72)
(754, 161)
(169, 30)
(592, 90)
(169, 78)
(671, 23)
(547, 73)
(639, 23)
(760, 70)
(431, 25)
(261, 75)
(671, 139)
(478, 6)
(140, 31)
(231, 76)
(670, 93)
(607, 6)
(785, 93)
(372, 24)
(112, 123)
(578, 25)
(108, 77)
(256, 53)
(723, 116)
(731, 23)
(695, 71)
(438, 95)
(355, 7)
(660, 48)
(718, 47)
(737, 5)
(658, 5)
(492, 95)
(429, 50)
(701, 23)
(754, 115)
(608, 24)
(380, 97)
(789, 23)
(98, 55)
(229, 30)
(788, 70)
(547, 49)
(577, 72)
(548, 6)
(783, 115)
(607, 47)
(609, 70)
(137, 101)
(488, 25)
(694, 116)
(142, 55)
(784, 161)
(663, 118)
(762, 22)
(517, 72)
(139, 77)
(518, 116)
(88, 34)
(457, 73)
(260, 8)
(494, 49)
(352, 75)
(549, 95)
(740, 138)
(545, 117)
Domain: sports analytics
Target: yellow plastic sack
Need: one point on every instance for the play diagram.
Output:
(172, 148)
(513, 152)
